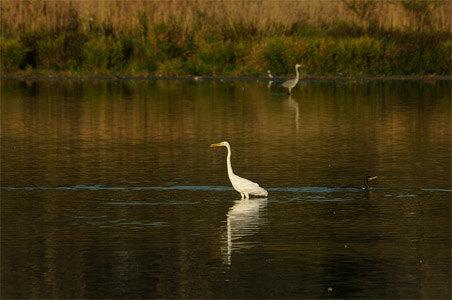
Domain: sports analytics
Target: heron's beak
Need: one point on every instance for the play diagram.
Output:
(215, 145)
(372, 178)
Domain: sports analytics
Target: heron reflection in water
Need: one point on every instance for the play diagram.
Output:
(293, 105)
(243, 219)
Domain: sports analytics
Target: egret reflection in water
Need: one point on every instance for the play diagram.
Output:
(243, 219)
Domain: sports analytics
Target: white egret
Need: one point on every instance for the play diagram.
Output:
(366, 181)
(270, 74)
(244, 186)
(290, 84)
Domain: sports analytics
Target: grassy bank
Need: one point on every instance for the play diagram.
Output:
(200, 37)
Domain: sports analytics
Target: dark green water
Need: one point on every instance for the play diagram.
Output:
(110, 189)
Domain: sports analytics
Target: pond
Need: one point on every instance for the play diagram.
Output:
(110, 189)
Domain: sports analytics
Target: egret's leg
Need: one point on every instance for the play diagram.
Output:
(242, 194)
(247, 196)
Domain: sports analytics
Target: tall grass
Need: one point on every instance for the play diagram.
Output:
(263, 15)
(227, 37)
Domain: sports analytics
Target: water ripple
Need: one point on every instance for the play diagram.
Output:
(181, 187)
(102, 187)
(198, 188)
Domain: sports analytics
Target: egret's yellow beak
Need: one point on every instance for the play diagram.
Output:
(372, 178)
(215, 145)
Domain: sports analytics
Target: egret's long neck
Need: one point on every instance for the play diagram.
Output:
(298, 74)
(228, 160)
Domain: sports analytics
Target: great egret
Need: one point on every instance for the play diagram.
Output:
(244, 186)
(366, 181)
(290, 84)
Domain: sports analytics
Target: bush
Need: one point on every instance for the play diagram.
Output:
(13, 54)
(170, 49)
(171, 67)
(103, 54)
(219, 57)
(360, 56)
(275, 55)
(50, 52)
(143, 57)
(444, 58)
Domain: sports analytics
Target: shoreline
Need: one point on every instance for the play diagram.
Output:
(119, 77)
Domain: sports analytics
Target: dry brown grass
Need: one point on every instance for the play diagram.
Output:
(123, 15)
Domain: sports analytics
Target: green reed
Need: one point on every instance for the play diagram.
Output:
(170, 49)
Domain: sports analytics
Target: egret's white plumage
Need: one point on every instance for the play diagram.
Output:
(269, 73)
(271, 77)
(290, 84)
(244, 186)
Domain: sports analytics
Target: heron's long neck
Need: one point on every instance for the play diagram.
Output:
(366, 184)
(298, 74)
(228, 160)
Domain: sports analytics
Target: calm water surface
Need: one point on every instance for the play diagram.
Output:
(110, 189)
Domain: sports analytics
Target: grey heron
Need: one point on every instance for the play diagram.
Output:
(290, 84)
